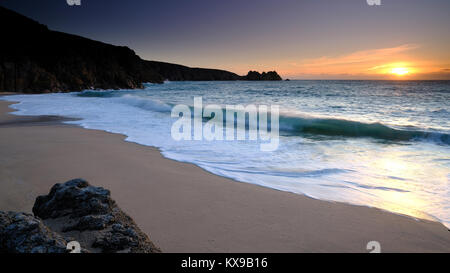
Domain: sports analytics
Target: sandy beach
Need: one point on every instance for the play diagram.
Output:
(185, 209)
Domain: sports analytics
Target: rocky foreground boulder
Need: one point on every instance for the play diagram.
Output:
(73, 211)
(23, 233)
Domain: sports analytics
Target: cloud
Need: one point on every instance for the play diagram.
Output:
(364, 56)
(355, 63)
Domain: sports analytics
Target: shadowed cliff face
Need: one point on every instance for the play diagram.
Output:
(34, 59)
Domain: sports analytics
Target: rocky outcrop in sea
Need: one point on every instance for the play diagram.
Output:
(77, 212)
(256, 76)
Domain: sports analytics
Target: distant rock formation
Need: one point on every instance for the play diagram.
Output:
(176, 72)
(73, 211)
(256, 76)
(34, 59)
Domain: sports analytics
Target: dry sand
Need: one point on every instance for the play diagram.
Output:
(185, 209)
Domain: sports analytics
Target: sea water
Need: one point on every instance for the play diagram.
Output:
(384, 144)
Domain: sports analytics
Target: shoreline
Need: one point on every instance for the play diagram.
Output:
(59, 120)
(187, 209)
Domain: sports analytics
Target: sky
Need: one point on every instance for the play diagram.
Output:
(309, 39)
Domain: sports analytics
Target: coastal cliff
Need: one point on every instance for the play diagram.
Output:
(34, 59)
(73, 211)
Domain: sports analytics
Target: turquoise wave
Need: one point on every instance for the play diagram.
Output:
(349, 128)
(299, 125)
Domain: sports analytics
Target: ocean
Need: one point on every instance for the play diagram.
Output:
(383, 144)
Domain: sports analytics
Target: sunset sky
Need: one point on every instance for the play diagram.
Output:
(310, 39)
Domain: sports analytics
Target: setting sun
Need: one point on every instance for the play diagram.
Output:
(400, 71)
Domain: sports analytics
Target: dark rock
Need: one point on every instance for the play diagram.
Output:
(256, 76)
(117, 238)
(75, 198)
(90, 222)
(90, 210)
(24, 233)
(253, 76)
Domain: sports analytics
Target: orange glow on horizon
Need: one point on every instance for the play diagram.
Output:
(400, 62)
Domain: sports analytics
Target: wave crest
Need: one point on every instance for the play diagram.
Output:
(349, 128)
